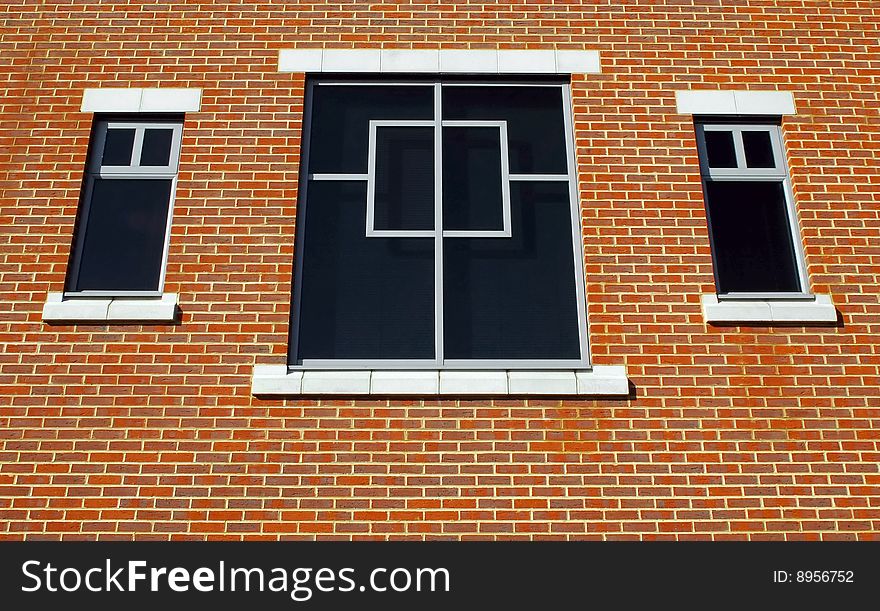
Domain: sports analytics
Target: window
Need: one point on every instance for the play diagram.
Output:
(439, 227)
(752, 225)
(125, 216)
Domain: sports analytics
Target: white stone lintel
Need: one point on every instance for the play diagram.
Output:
(734, 102)
(276, 380)
(818, 309)
(137, 99)
(110, 309)
(440, 61)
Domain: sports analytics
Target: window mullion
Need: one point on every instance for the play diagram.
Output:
(740, 149)
(438, 224)
(137, 147)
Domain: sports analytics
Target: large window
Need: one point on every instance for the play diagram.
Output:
(125, 215)
(438, 226)
(752, 224)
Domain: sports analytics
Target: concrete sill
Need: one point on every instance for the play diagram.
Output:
(110, 309)
(817, 310)
(276, 380)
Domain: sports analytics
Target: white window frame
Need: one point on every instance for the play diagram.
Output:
(778, 173)
(370, 177)
(506, 221)
(371, 230)
(132, 171)
(440, 362)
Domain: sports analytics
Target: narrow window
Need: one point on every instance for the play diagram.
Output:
(125, 215)
(752, 225)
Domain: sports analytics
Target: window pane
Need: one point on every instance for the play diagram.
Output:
(535, 127)
(124, 238)
(117, 147)
(404, 197)
(362, 298)
(758, 149)
(751, 237)
(472, 178)
(514, 298)
(157, 147)
(720, 149)
(341, 117)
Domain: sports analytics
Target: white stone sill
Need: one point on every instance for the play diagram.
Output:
(276, 380)
(110, 309)
(817, 310)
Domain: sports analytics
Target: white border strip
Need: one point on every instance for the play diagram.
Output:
(601, 380)
(118, 99)
(728, 102)
(440, 61)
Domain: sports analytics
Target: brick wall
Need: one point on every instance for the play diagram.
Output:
(151, 431)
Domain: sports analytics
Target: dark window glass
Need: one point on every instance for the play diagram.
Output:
(535, 126)
(751, 237)
(124, 238)
(472, 178)
(117, 147)
(373, 298)
(157, 147)
(341, 118)
(404, 197)
(362, 298)
(514, 298)
(720, 149)
(758, 149)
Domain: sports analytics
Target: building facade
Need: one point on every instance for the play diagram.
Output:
(619, 276)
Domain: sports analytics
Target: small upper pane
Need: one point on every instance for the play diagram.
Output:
(118, 145)
(404, 197)
(758, 149)
(472, 179)
(535, 122)
(720, 149)
(156, 150)
(341, 116)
